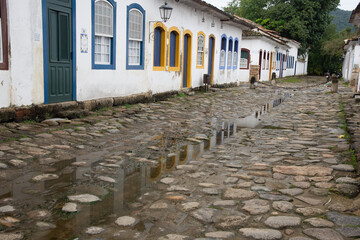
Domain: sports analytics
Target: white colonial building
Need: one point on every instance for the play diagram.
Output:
(76, 50)
(273, 53)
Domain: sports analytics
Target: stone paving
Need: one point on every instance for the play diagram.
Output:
(194, 167)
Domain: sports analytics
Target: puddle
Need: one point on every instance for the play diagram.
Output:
(132, 180)
(254, 120)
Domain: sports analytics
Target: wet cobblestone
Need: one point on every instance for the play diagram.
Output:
(269, 163)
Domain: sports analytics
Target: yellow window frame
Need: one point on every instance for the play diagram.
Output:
(163, 47)
(177, 50)
(197, 47)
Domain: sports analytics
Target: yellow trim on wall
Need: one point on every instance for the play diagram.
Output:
(197, 47)
(188, 83)
(177, 50)
(163, 47)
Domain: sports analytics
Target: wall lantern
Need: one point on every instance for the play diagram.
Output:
(276, 48)
(165, 12)
(287, 52)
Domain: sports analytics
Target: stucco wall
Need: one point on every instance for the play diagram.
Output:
(265, 44)
(120, 82)
(352, 57)
(23, 83)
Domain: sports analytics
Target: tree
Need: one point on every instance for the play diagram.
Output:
(302, 20)
(326, 54)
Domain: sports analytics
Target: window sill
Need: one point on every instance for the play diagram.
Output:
(200, 67)
(104, 67)
(174, 69)
(135, 67)
(159, 68)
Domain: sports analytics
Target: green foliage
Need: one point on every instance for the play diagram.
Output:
(302, 20)
(341, 19)
(326, 54)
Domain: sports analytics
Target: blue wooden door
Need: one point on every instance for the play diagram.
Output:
(59, 45)
(295, 68)
(211, 58)
(186, 61)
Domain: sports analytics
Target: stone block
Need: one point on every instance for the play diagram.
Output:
(7, 114)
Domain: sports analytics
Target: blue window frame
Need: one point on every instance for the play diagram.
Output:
(223, 51)
(103, 36)
(230, 53)
(135, 43)
(236, 53)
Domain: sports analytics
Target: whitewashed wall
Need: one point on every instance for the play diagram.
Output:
(93, 84)
(23, 83)
(352, 57)
(264, 44)
(346, 64)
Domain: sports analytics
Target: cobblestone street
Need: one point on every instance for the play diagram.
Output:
(270, 163)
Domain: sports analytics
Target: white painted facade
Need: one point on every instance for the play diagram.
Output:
(24, 82)
(257, 44)
(92, 84)
(352, 57)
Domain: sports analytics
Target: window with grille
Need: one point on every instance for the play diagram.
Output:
(200, 50)
(103, 41)
(235, 57)
(244, 59)
(135, 37)
(223, 52)
(229, 61)
(274, 61)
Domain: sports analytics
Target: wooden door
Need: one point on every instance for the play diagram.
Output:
(59, 40)
(211, 58)
(187, 62)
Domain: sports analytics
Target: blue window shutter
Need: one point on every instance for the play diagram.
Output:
(157, 47)
(172, 49)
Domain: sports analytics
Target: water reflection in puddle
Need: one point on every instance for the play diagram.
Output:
(254, 120)
(132, 180)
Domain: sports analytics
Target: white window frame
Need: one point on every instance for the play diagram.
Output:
(135, 43)
(103, 36)
(200, 51)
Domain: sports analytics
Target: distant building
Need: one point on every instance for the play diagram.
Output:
(351, 62)
(271, 52)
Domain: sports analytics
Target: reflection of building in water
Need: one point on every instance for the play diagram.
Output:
(170, 162)
(132, 180)
(196, 151)
(183, 155)
(155, 172)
